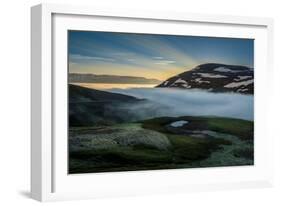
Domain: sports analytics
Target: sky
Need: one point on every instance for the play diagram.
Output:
(150, 55)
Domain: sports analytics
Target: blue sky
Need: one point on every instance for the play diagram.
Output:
(152, 56)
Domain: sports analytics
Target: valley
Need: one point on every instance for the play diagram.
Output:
(185, 122)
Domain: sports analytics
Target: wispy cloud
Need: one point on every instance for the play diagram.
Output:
(164, 62)
(123, 54)
(158, 57)
(93, 58)
(131, 60)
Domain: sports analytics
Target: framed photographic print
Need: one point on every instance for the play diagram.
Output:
(134, 102)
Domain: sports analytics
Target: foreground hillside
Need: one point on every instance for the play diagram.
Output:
(161, 143)
(215, 78)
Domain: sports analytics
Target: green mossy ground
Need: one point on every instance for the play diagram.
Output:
(241, 128)
(233, 145)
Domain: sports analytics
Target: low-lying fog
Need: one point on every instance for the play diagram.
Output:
(195, 102)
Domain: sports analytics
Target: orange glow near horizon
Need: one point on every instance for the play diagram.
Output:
(129, 71)
(105, 86)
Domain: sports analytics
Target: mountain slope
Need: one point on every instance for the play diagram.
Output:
(88, 107)
(79, 94)
(216, 78)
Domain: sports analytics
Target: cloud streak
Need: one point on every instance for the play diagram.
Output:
(77, 57)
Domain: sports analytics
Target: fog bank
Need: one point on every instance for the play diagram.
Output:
(196, 102)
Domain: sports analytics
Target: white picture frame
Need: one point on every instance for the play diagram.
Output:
(50, 181)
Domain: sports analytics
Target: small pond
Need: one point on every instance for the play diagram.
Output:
(178, 123)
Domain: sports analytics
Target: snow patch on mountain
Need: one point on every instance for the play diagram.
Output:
(208, 75)
(199, 80)
(238, 84)
(242, 90)
(222, 69)
(225, 69)
(186, 86)
(239, 78)
(180, 81)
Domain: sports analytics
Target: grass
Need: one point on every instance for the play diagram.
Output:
(126, 158)
(247, 153)
(242, 128)
(157, 124)
(184, 150)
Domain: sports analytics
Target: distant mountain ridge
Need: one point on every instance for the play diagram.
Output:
(215, 78)
(93, 78)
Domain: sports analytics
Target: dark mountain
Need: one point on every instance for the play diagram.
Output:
(216, 78)
(92, 78)
(88, 107)
(78, 94)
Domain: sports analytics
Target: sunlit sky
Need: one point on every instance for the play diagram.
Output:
(152, 56)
